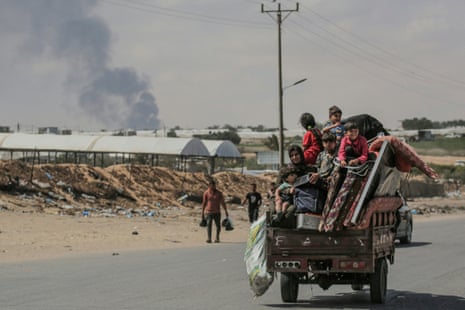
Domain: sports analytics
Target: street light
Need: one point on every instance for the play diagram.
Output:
(281, 122)
(296, 83)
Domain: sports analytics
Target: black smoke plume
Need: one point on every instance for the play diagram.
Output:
(69, 31)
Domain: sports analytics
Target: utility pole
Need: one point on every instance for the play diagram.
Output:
(279, 20)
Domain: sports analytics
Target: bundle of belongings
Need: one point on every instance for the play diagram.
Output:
(255, 258)
(368, 126)
(350, 190)
(405, 158)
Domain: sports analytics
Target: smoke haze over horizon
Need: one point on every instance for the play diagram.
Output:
(140, 64)
(69, 31)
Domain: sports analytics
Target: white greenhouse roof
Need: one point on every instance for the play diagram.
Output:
(103, 143)
(151, 145)
(222, 148)
(20, 141)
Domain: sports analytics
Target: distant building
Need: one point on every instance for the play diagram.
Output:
(49, 130)
(4, 129)
(270, 159)
(66, 132)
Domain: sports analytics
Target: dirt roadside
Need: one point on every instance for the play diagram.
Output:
(30, 236)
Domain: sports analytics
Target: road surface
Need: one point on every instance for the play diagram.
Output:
(428, 274)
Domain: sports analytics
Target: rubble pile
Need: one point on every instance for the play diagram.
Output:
(115, 190)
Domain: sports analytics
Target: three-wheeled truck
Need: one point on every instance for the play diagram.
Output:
(355, 254)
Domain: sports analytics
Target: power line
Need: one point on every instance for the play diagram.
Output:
(371, 57)
(187, 15)
(345, 45)
(439, 76)
(341, 46)
(346, 60)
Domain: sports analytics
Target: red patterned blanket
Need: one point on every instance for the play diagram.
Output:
(406, 157)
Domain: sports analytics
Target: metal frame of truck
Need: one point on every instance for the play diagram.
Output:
(356, 256)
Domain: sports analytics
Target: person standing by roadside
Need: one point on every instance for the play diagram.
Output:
(212, 201)
(254, 200)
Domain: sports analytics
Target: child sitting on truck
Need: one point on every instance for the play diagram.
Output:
(285, 192)
(325, 161)
(311, 141)
(353, 150)
(334, 125)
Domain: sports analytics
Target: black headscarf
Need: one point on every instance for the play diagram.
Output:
(301, 168)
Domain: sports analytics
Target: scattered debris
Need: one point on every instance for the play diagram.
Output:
(41, 185)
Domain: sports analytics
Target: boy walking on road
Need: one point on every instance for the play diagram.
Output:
(254, 200)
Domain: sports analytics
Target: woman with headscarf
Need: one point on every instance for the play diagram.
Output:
(297, 164)
(306, 195)
(296, 156)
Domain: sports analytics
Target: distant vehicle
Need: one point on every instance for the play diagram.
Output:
(404, 227)
(425, 135)
(459, 163)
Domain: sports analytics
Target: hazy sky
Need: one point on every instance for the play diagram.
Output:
(94, 64)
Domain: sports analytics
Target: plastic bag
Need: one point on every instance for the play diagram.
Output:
(203, 222)
(227, 224)
(255, 258)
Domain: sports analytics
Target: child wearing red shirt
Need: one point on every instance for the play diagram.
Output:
(353, 150)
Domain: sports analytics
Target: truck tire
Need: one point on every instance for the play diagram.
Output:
(407, 239)
(378, 282)
(289, 287)
(357, 286)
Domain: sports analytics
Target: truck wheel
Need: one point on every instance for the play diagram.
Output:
(408, 234)
(289, 287)
(357, 286)
(378, 282)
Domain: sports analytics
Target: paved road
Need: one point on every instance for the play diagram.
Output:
(429, 274)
